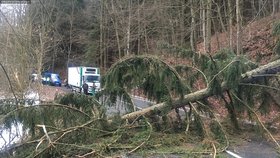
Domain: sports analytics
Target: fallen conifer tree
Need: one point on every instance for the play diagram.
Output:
(73, 126)
(250, 76)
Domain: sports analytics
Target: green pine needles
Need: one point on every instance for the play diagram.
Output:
(156, 78)
(276, 32)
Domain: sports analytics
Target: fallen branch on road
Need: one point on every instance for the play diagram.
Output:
(270, 68)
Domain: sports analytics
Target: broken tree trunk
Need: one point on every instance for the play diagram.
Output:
(270, 68)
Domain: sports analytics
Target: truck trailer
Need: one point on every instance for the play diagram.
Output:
(77, 76)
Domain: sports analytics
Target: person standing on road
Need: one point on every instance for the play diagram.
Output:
(85, 88)
(93, 88)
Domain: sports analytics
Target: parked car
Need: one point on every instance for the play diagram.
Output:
(51, 79)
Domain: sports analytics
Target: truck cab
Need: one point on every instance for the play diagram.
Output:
(77, 76)
(93, 82)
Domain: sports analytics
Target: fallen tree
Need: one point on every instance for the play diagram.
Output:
(75, 125)
(248, 77)
(270, 68)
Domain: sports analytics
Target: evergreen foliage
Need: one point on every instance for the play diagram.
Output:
(69, 123)
(156, 78)
(276, 29)
(76, 109)
(276, 32)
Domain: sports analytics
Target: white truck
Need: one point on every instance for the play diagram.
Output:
(77, 76)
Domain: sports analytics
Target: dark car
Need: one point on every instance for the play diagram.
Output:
(51, 79)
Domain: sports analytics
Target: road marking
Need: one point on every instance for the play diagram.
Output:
(233, 154)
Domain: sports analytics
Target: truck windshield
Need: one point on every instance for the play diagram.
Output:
(92, 78)
(55, 77)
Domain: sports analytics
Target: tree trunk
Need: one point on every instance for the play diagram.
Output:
(278, 5)
(192, 37)
(101, 35)
(204, 25)
(220, 17)
(216, 35)
(118, 40)
(128, 28)
(115, 23)
(208, 26)
(139, 28)
(182, 23)
(238, 29)
(253, 5)
(273, 7)
(230, 10)
(270, 68)
(70, 33)
(106, 41)
(146, 41)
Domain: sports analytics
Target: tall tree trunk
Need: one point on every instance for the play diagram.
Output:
(146, 41)
(253, 5)
(53, 58)
(273, 7)
(230, 10)
(116, 26)
(238, 29)
(8, 42)
(118, 39)
(220, 17)
(192, 36)
(101, 49)
(278, 5)
(173, 36)
(106, 40)
(204, 25)
(216, 34)
(139, 28)
(128, 28)
(208, 26)
(70, 32)
(182, 23)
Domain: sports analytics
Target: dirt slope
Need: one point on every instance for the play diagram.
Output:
(256, 39)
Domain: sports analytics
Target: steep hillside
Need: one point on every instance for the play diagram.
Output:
(257, 39)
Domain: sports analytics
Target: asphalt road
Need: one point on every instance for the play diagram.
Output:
(257, 148)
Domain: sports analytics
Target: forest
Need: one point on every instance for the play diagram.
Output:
(209, 69)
